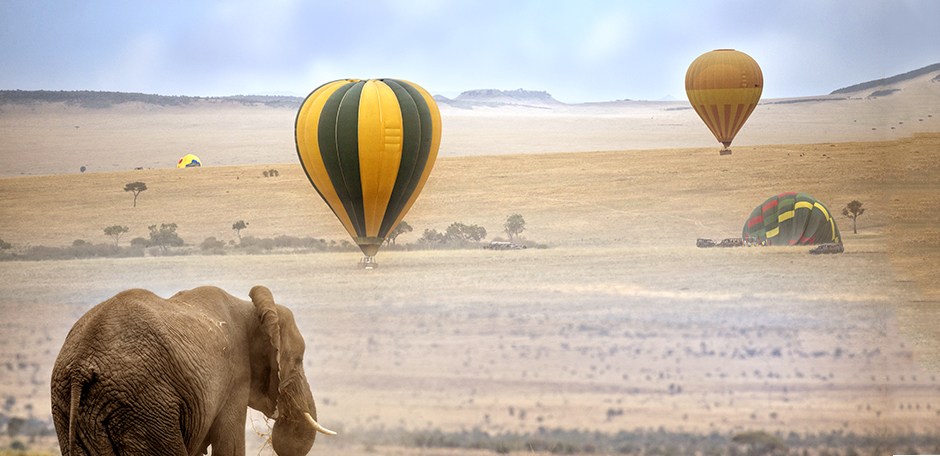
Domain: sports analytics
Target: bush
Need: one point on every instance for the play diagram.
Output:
(211, 243)
(78, 250)
(212, 246)
(254, 244)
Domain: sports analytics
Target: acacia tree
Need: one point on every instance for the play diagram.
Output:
(401, 228)
(115, 232)
(459, 233)
(135, 187)
(165, 236)
(852, 211)
(431, 237)
(238, 227)
(514, 225)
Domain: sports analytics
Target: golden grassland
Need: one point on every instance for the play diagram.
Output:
(620, 323)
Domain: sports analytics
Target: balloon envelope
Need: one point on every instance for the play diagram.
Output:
(367, 147)
(189, 161)
(724, 87)
(791, 219)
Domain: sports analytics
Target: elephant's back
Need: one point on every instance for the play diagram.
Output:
(137, 326)
(115, 324)
(118, 350)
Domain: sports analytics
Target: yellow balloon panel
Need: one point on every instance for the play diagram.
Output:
(308, 148)
(724, 110)
(380, 142)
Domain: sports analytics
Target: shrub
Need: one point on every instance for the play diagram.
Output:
(212, 246)
(251, 242)
(211, 243)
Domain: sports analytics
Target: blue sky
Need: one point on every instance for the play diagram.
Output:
(578, 51)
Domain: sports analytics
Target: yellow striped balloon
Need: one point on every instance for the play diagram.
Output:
(368, 147)
(189, 161)
(724, 87)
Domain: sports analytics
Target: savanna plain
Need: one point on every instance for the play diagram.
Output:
(616, 324)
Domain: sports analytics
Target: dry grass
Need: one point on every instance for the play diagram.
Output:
(622, 312)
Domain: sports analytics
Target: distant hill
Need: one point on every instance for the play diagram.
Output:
(466, 100)
(496, 98)
(888, 81)
(101, 100)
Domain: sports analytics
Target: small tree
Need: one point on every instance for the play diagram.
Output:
(135, 187)
(165, 236)
(238, 227)
(5, 245)
(459, 233)
(514, 225)
(852, 211)
(115, 232)
(401, 228)
(431, 237)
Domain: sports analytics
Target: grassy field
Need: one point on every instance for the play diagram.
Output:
(621, 323)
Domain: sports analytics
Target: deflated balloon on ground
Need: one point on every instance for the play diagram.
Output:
(791, 219)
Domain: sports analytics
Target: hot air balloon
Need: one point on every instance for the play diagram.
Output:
(189, 161)
(791, 219)
(724, 87)
(368, 147)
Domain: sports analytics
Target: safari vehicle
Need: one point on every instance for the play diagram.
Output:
(827, 248)
(503, 245)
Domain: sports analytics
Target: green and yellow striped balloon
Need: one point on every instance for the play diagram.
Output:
(791, 219)
(368, 147)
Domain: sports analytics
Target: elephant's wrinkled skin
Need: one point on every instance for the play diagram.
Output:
(139, 374)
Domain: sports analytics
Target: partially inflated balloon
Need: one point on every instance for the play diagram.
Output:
(724, 87)
(189, 161)
(791, 219)
(368, 147)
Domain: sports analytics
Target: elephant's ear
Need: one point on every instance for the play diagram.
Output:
(265, 375)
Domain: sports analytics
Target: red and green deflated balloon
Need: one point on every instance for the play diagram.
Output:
(791, 219)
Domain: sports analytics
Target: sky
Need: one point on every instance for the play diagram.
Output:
(578, 51)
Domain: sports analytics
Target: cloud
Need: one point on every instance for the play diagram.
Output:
(578, 51)
(606, 38)
(139, 66)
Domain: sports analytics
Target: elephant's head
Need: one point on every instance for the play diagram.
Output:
(279, 388)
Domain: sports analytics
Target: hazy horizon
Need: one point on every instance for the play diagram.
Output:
(578, 52)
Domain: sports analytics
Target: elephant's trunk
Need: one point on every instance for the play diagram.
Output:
(292, 437)
(296, 427)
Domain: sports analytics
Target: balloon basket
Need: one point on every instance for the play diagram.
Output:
(725, 151)
(368, 262)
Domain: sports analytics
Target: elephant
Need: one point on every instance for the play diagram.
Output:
(139, 374)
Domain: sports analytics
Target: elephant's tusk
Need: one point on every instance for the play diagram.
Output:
(317, 426)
